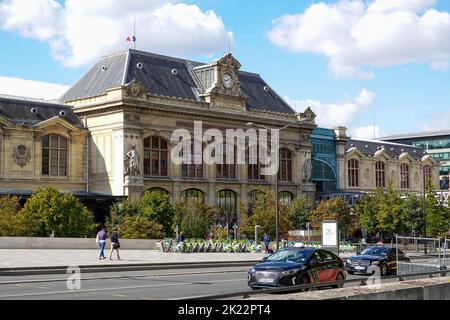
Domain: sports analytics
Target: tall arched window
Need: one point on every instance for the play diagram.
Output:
(193, 170)
(54, 155)
(404, 176)
(285, 198)
(380, 175)
(252, 196)
(285, 170)
(156, 155)
(353, 173)
(226, 202)
(227, 170)
(254, 166)
(194, 195)
(427, 174)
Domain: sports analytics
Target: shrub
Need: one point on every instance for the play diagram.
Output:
(156, 206)
(194, 219)
(139, 227)
(11, 222)
(47, 210)
(299, 212)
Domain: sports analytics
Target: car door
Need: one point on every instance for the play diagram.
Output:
(316, 267)
(329, 266)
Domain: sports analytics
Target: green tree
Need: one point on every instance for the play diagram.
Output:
(334, 209)
(139, 227)
(193, 218)
(264, 214)
(299, 212)
(367, 210)
(413, 208)
(47, 210)
(391, 214)
(155, 206)
(11, 222)
(437, 216)
(119, 211)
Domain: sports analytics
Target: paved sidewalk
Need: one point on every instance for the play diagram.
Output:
(29, 258)
(20, 258)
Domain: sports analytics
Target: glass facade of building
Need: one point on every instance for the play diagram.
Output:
(324, 160)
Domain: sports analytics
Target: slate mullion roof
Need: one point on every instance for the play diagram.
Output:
(157, 77)
(394, 150)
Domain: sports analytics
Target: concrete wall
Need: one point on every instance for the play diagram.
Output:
(69, 243)
(423, 289)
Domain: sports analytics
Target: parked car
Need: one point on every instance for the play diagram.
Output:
(296, 266)
(379, 256)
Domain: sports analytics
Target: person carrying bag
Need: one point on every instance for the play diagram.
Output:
(115, 244)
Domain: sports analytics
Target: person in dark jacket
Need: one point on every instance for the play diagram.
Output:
(266, 240)
(115, 244)
(101, 240)
(181, 237)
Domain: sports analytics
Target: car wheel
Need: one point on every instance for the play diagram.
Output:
(383, 269)
(339, 277)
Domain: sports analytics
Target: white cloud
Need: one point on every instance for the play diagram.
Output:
(369, 132)
(337, 114)
(355, 35)
(80, 31)
(31, 89)
(437, 121)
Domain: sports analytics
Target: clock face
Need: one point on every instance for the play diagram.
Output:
(227, 80)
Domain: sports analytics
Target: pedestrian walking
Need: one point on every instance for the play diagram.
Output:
(181, 237)
(115, 244)
(266, 240)
(101, 240)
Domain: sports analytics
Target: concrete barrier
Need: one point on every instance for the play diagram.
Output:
(69, 243)
(423, 289)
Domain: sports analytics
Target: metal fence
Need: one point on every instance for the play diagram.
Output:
(420, 255)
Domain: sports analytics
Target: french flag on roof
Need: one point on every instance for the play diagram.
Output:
(131, 39)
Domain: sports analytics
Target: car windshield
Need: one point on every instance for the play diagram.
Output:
(289, 255)
(376, 251)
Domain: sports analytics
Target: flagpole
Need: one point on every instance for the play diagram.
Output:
(134, 31)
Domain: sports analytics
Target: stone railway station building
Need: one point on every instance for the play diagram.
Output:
(128, 105)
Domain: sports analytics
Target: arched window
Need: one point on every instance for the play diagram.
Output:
(158, 190)
(193, 170)
(227, 170)
(254, 166)
(226, 202)
(156, 155)
(427, 174)
(380, 175)
(285, 198)
(285, 170)
(404, 176)
(194, 195)
(54, 155)
(353, 174)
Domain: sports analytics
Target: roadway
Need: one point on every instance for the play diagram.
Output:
(131, 285)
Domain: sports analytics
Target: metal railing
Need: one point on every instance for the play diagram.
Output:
(308, 287)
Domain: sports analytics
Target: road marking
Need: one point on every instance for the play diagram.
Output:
(116, 288)
(119, 295)
(147, 298)
(22, 285)
(43, 287)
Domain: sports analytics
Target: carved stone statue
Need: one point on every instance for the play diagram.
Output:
(132, 164)
(307, 170)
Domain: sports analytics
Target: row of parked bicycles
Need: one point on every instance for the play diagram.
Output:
(229, 246)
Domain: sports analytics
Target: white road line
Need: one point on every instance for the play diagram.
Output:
(115, 288)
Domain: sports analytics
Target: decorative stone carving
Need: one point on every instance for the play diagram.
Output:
(307, 116)
(306, 170)
(132, 163)
(135, 89)
(21, 155)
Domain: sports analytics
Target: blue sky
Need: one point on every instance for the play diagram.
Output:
(402, 82)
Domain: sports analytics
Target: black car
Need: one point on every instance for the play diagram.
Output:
(382, 257)
(296, 266)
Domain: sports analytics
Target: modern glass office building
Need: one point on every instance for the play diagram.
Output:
(436, 143)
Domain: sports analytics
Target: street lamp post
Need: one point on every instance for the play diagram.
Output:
(424, 209)
(277, 212)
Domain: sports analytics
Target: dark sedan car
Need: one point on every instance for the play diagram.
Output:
(385, 258)
(296, 266)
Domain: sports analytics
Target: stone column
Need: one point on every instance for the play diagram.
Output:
(341, 140)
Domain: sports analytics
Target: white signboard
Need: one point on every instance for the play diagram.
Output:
(329, 234)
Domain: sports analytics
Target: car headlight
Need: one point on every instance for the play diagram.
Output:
(251, 270)
(349, 261)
